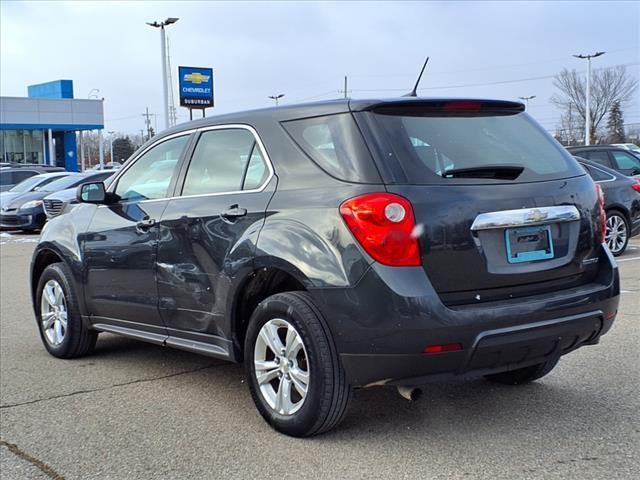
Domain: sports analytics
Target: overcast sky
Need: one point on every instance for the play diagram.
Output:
(304, 49)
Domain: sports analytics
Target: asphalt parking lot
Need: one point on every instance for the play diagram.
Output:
(134, 410)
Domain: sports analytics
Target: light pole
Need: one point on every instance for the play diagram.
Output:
(276, 97)
(587, 114)
(526, 99)
(111, 145)
(163, 48)
(93, 95)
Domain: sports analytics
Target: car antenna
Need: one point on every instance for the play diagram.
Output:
(414, 92)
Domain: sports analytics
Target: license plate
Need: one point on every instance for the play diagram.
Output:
(528, 244)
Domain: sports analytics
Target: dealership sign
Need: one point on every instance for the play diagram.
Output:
(196, 87)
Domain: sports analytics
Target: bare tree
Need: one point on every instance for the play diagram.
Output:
(608, 85)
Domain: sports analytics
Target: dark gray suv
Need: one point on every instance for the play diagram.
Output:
(337, 245)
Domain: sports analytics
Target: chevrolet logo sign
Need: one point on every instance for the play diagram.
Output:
(537, 216)
(196, 77)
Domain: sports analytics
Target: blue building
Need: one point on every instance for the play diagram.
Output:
(43, 127)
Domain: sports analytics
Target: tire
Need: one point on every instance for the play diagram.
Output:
(327, 392)
(76, 339)
(523, 375)
(618, 232)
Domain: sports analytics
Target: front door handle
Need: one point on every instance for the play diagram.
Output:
(146, 223)
(234, 211)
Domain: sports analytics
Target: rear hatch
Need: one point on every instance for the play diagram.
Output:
(503, 211)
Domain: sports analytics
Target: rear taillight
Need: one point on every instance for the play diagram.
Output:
(636, 186)
(602, 215)
(383, 223)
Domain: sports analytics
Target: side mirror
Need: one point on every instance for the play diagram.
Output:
(92, 193)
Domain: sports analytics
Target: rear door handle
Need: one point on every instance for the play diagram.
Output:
(146, 223)
(234, 211)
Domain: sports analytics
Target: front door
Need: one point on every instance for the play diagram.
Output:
(121, 242)
(208, 233)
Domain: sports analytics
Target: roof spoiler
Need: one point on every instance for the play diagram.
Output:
(445, 107)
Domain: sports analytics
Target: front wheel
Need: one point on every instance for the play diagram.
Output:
(617, 233)
(58, 315)
(293, 369)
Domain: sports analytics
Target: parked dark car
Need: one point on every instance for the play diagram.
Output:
(29, 185)
(621, 202)
(619, 159)
(336, 245)
(26, 212)
(10, 176)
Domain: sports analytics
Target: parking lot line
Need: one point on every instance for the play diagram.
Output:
(628, 259)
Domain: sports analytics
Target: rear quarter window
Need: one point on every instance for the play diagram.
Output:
(425, 147)
(335, 144)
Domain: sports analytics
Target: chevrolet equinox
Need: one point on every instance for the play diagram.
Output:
(338, 245)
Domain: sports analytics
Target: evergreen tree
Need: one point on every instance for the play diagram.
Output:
(615, 124)
(122, 149)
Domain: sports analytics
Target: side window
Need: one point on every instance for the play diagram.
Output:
(6, 178)
(335, 144)
(150, 176)
(22, 175)
(626, 161)
(597, 156)
(257, 171)
(597, 174)
(226, 160)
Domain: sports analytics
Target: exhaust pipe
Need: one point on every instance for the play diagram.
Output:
(410, 393)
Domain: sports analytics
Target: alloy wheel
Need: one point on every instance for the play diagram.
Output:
(616, 234)
(281, 366)
(53, 312)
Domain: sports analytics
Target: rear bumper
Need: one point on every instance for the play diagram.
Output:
(382, 325)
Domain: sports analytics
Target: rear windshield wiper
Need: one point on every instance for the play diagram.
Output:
(497, 172)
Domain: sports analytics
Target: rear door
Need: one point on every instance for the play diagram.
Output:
(208, 233)
(503, 210)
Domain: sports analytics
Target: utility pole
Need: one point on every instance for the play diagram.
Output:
(526, 99)
(587, 114)
(276, 97)
(163, 51)
(147, 122)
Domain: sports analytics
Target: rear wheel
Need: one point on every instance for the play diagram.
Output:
(62, 330)
(294, 372)
(617, 234)
(523, 375)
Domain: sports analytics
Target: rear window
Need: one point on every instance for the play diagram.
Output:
(427, 146)
(336, 145)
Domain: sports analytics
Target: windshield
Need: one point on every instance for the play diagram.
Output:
(29, 183)
(427, 147)
(62, 183)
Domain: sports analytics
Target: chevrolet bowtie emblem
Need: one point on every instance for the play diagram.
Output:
(196, 77)
(537, 216)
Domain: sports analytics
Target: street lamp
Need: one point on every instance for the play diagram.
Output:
(276, 97)
(587, 115)
(93, 95)
(526, 99)
(163, 48)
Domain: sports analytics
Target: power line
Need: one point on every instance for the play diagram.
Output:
(537, 62)
(501, 82)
